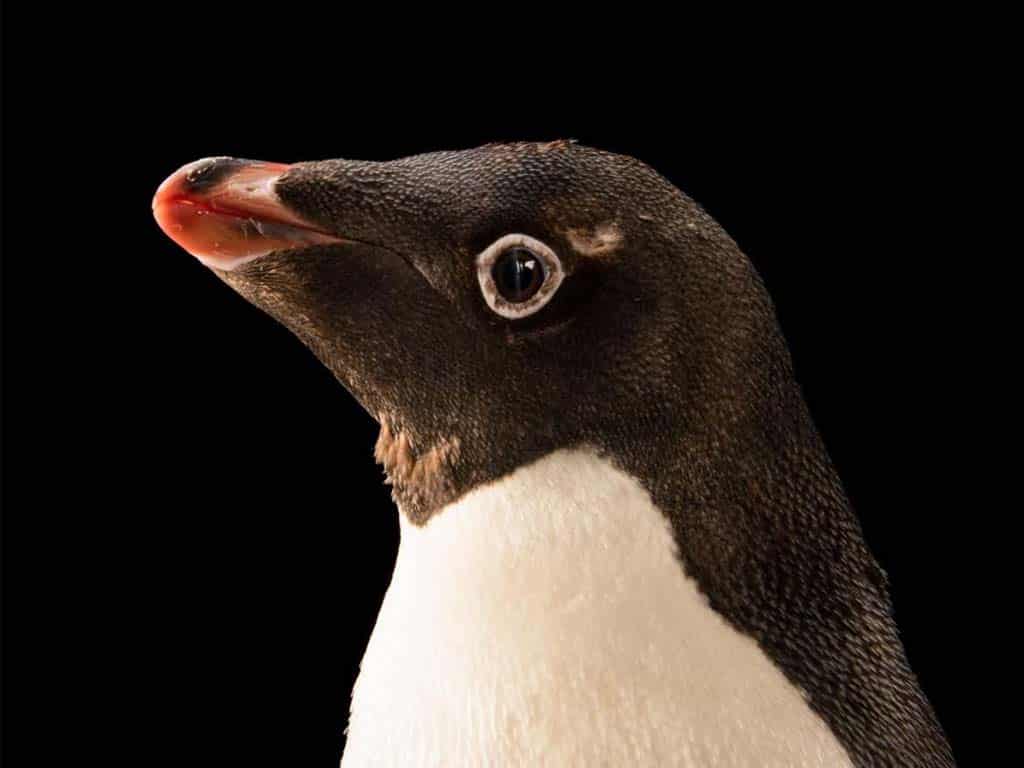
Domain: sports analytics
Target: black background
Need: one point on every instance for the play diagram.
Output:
(196, 537)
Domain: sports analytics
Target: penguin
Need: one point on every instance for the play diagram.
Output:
(622, 539)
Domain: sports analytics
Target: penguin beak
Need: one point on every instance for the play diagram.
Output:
(226, 212)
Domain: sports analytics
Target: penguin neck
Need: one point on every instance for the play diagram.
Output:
(545, 618)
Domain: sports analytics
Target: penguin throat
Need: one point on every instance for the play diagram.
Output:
(421, 477)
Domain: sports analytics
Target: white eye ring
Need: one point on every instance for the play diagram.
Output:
(551, 264)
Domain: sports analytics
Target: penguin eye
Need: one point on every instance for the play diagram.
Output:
(518, 275)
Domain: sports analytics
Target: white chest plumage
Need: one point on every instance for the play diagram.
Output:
(545, 620)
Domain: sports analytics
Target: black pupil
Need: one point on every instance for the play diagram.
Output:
(518, 274)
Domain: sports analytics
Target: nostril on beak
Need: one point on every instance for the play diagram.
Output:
(203, 175)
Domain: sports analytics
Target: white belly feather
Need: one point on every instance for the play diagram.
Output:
(545, 620)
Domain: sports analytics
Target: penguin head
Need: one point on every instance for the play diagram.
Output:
(492, 305)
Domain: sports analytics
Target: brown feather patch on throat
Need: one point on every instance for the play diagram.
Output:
(421, 481)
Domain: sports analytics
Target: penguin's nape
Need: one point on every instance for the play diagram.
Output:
(494, 305)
